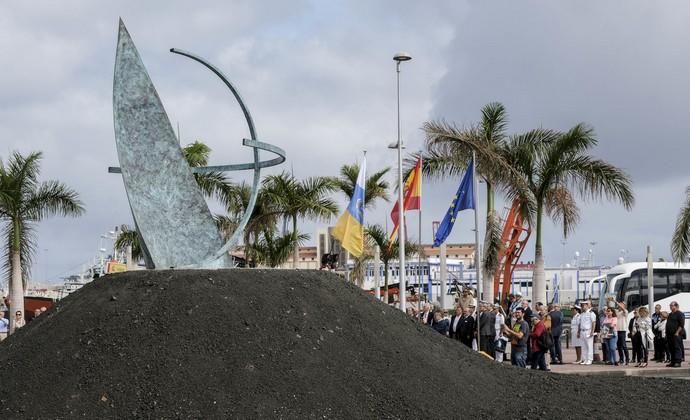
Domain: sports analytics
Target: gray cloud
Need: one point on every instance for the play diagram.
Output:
(620, 66)
(318, 77)
(320, 81)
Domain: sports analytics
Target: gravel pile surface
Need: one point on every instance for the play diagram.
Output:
(277, 344)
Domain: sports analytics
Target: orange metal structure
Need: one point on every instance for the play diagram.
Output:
(516, 232)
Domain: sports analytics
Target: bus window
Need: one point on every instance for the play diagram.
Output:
(661, 282)
(685, 281)
(631, 290)
(618, 289)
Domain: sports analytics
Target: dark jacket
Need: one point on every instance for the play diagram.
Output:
(556, 323)
(441, 326)
(487, 323)
(466, 329)
(451, 332)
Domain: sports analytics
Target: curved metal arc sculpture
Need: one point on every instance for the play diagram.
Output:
(257, 165)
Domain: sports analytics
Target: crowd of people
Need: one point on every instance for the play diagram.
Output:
(19, 319)
(530, 334)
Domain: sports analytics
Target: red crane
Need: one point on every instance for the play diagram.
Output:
(516, 232)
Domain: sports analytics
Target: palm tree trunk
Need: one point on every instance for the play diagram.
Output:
(539, 276)
(385, 283)
(128, 257)
(16, 288)
(295, 254)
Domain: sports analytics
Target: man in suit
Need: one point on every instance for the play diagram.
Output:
(466, 327)
(556, 331)
(487, 328)
(454, 331)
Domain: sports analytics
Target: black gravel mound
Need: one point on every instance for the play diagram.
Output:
(277, 344)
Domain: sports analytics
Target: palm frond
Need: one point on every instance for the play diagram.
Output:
(272, 250)
(196, 154)
(494, 122)
(492, 243)
(359, 268)
(376, 186)
(129, 239)
(457, 145)
(561, 207)
(52, 198)
(215, 185)
(596, 179)
(680, 243)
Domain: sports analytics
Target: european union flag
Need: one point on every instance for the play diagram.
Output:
(464, 199)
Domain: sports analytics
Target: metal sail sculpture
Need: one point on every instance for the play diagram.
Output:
(171, 215)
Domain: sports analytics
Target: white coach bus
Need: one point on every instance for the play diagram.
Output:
(628, 283)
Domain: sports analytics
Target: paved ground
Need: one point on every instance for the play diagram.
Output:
(599, 368)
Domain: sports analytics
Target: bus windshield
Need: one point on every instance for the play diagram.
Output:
(607, 283)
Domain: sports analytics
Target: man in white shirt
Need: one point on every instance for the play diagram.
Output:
(586, 332)
(426, 316)
(454, 331)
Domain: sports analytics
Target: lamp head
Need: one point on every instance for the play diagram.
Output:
(401, 56)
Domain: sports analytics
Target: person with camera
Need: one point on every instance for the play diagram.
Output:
(622, 332)
(519, 336)
(426, 316)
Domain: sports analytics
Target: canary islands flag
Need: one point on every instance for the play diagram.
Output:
(463, 199)
(350, 227)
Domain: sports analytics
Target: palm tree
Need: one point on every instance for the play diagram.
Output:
(212, 184)
(680, 244)
(448, 153)
(556, 166)
(263, 217)
(388, 250)
(128, 242)
(359, 268)
(272, 250)
(375, 186)
(293, 199)
(24, 201)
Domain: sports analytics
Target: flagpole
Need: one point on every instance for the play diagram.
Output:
(402, 295)
(477, 253)
(421, 247)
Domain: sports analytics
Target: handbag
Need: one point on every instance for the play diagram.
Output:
(500, 345)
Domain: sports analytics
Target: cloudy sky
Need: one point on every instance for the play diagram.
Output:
(319, 80)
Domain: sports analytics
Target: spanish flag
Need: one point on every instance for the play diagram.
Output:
(412, 196)
(350, 227)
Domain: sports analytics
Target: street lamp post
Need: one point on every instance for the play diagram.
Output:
(399, 58)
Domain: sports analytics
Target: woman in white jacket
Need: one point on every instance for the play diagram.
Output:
(574, 327)
(643, 326)
(500, 322)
